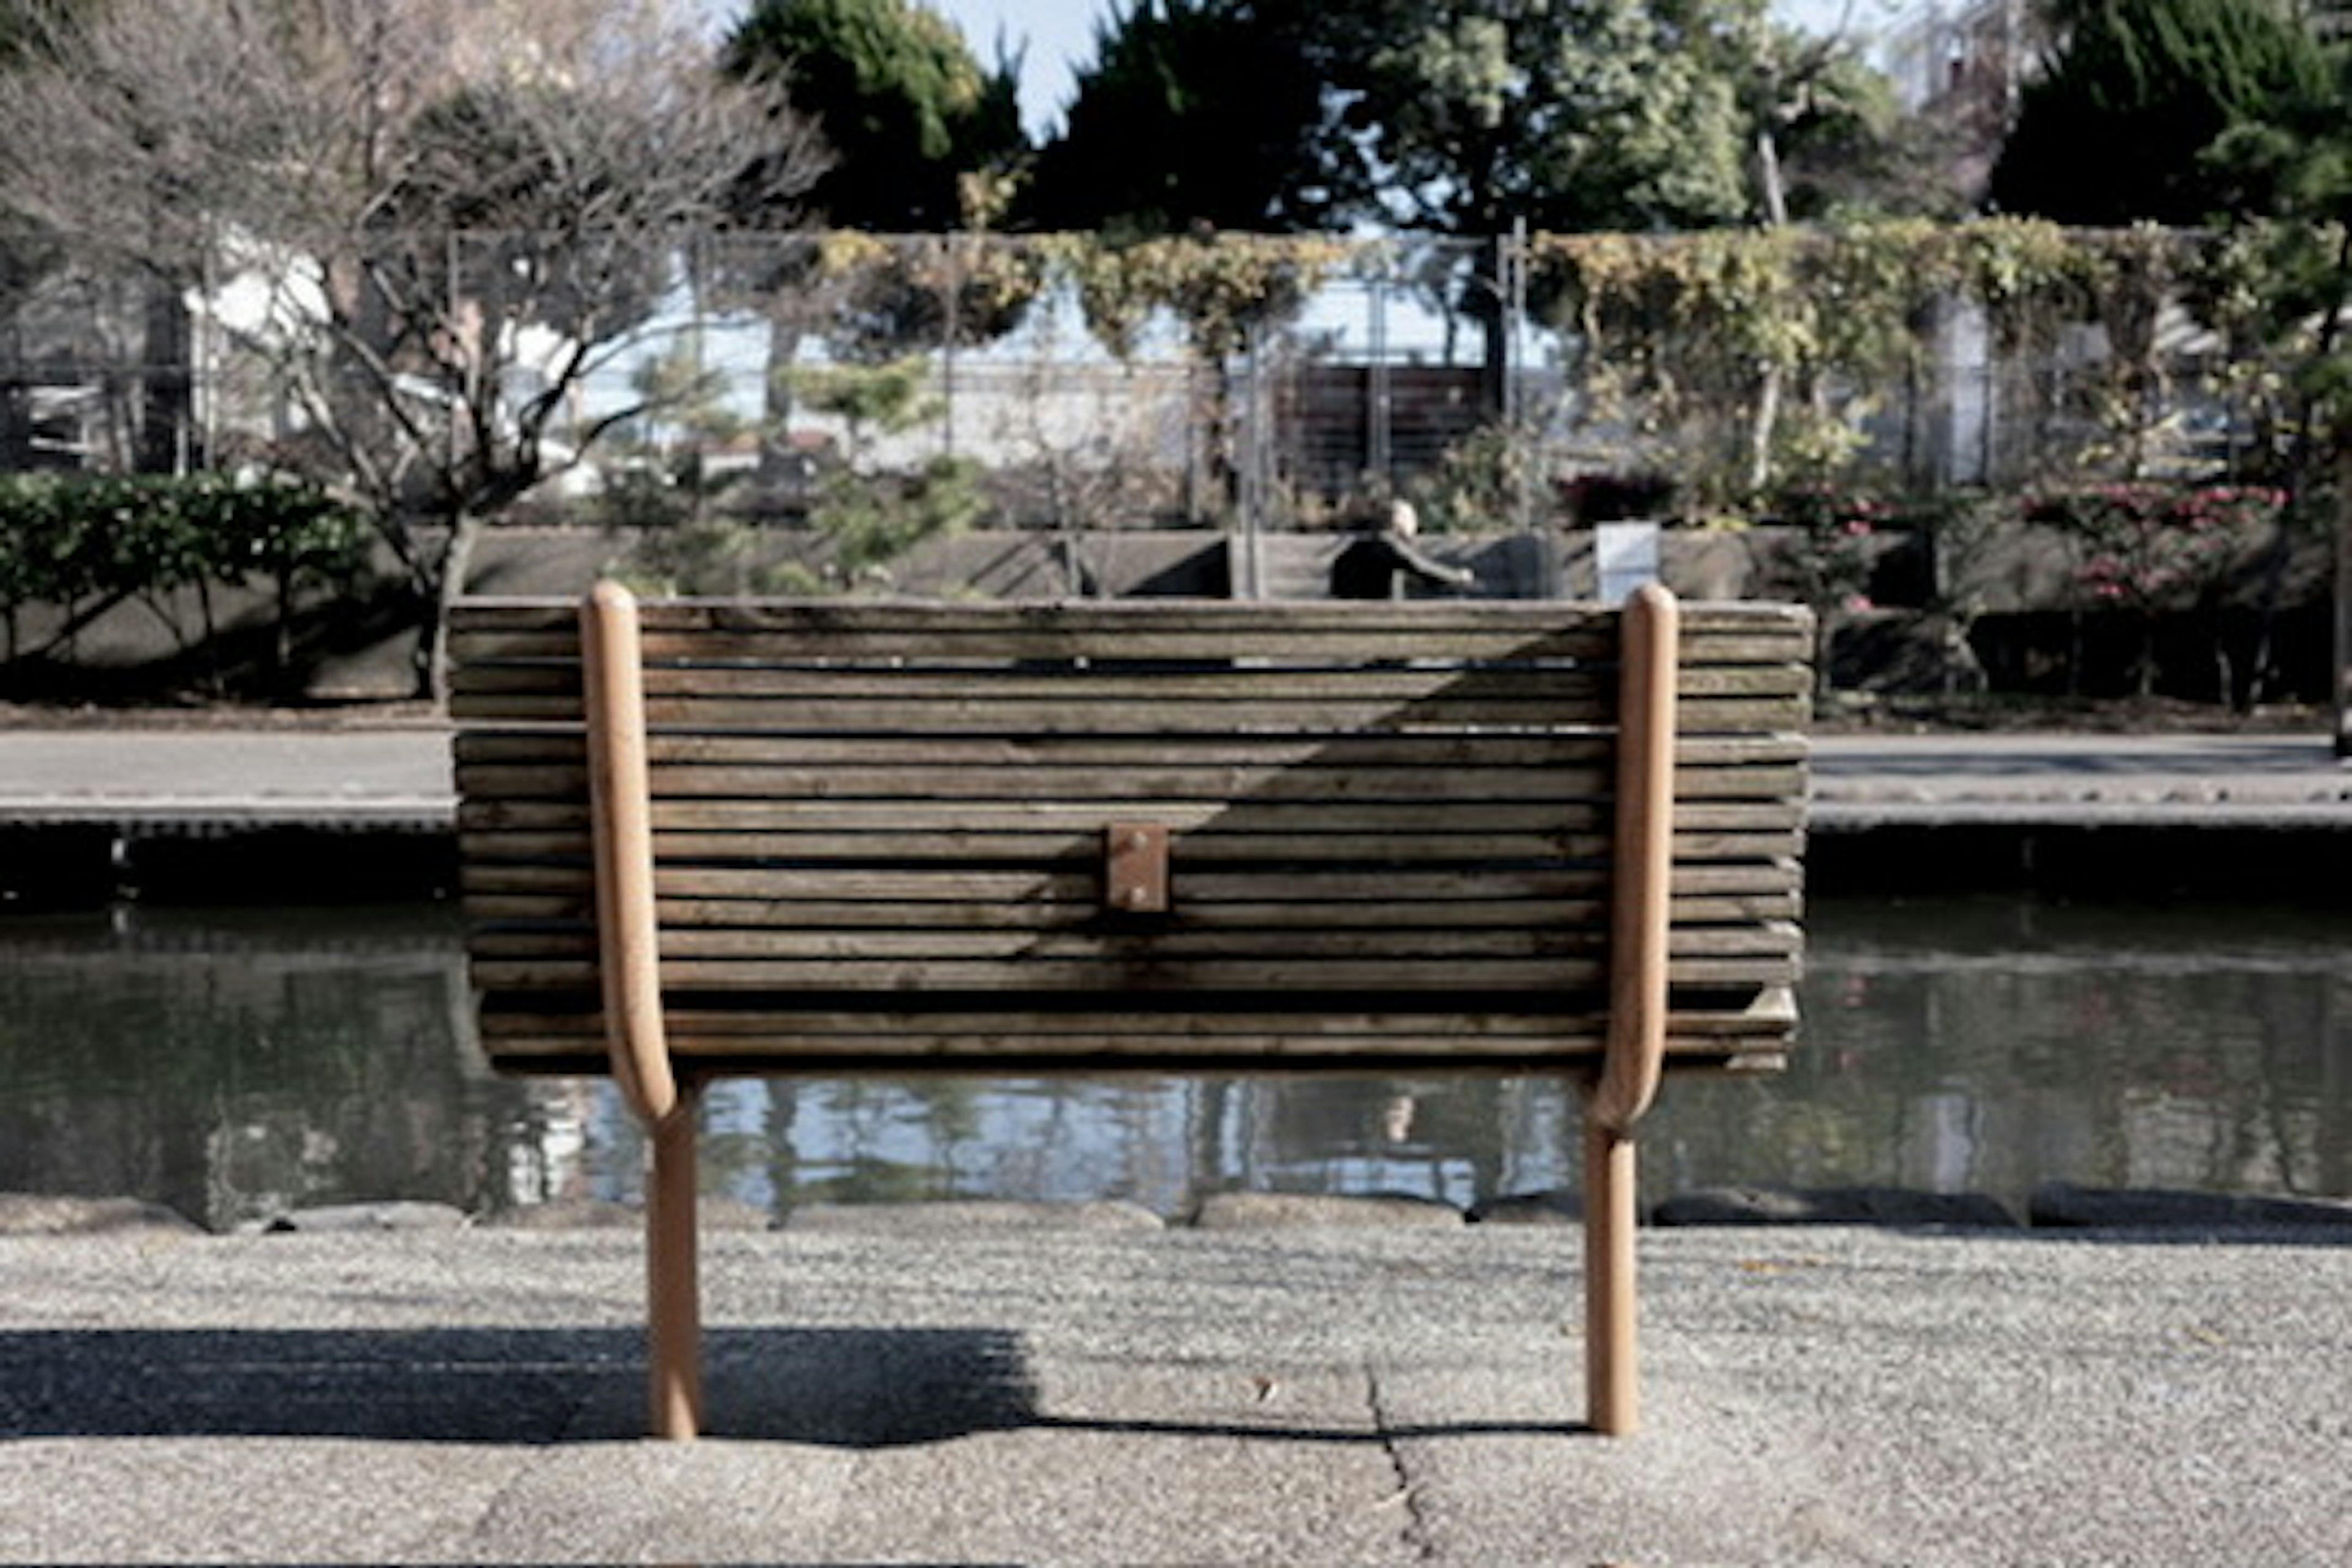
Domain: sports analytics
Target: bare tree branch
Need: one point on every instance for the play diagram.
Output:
(458, 196)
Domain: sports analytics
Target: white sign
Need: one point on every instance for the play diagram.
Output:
(1625, 556)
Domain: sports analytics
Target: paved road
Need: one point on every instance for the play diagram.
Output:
(401, 777)
(1301, 1398)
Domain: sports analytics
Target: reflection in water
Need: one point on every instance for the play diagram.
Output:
(237, 1064)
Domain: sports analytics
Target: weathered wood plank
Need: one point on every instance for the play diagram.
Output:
(1695, 756)
(484, 630)
(859, 804)
(790, 942)
(1137, 973)
(772, 1042)
(1128, 713)
(526, 799)
(746, 812)
(1024, 906)
(503, 1024)
(1775, 834)
(1758, 890)
(1580, 693)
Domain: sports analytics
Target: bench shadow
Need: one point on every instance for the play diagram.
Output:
(845, 1388)
(853, 1388)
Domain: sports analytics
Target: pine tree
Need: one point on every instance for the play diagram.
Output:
(2135, 93)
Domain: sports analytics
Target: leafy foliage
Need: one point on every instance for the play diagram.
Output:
(1615, 114)
(84, 544)
(906, 112)
(2144, 547)
(2114, 131)
(2147, 546)
(1682, 333)
(869, 517)
(1167, 137)
(452, 212)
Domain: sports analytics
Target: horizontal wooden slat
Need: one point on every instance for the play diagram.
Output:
(1571, 694)
(1131, 714)
(984, 884)
(1774, 834)
(1028, 905)
(1755, 1033)
(780, 630)
(1736, 754)
(1273, 830)
(1138, 975)
(485, 783)
(858, 804)
(1766, 1014)
(868, 1041)
(798, 941)
(488, 745)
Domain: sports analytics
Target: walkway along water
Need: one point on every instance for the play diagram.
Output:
(332, 812)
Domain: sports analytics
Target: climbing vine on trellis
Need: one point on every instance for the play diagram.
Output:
(1763, 352)
(1749, 361)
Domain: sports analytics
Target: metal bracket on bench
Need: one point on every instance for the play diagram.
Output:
(1135, 868)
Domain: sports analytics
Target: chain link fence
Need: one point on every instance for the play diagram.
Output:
(1273, 395)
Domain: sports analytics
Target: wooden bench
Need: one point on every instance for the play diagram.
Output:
(828, 838)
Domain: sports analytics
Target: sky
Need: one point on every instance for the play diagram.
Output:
(1060, 37)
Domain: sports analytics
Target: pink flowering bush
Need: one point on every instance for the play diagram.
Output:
(2147, 546)
(1839, 534)
(2142, 547)
(1838, 547)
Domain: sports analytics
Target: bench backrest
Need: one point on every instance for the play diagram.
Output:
(1167, 830)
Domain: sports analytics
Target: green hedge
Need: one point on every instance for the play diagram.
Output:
(69, 541)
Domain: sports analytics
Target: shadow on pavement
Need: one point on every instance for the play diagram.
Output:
(852, 1388)
(845, 1388)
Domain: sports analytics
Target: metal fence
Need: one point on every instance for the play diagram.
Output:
(1422, 367)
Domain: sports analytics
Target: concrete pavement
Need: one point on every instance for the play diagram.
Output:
(1313, 1396)
(360, 778)
(1303, 1396)
(2185, 780)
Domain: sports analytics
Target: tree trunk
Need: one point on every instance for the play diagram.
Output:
(1773, 197)
(2341, 686)
(167, 402)
(1495, 362)
(1772, 189)
(1761, 425)
(441, 596)
(15, 398)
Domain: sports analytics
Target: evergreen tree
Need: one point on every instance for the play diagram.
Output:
(2134, 92)
(2294, 167)
(1605, 114)
(1195, 113)
(897, 95)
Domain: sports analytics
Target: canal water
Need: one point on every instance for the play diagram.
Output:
(238, 1064)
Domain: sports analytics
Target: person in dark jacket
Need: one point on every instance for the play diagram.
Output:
(1378, 563)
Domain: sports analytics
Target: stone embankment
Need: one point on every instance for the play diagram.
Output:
(2055, 1206)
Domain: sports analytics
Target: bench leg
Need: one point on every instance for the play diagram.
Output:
(1612, 1364)
(673, 1282)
